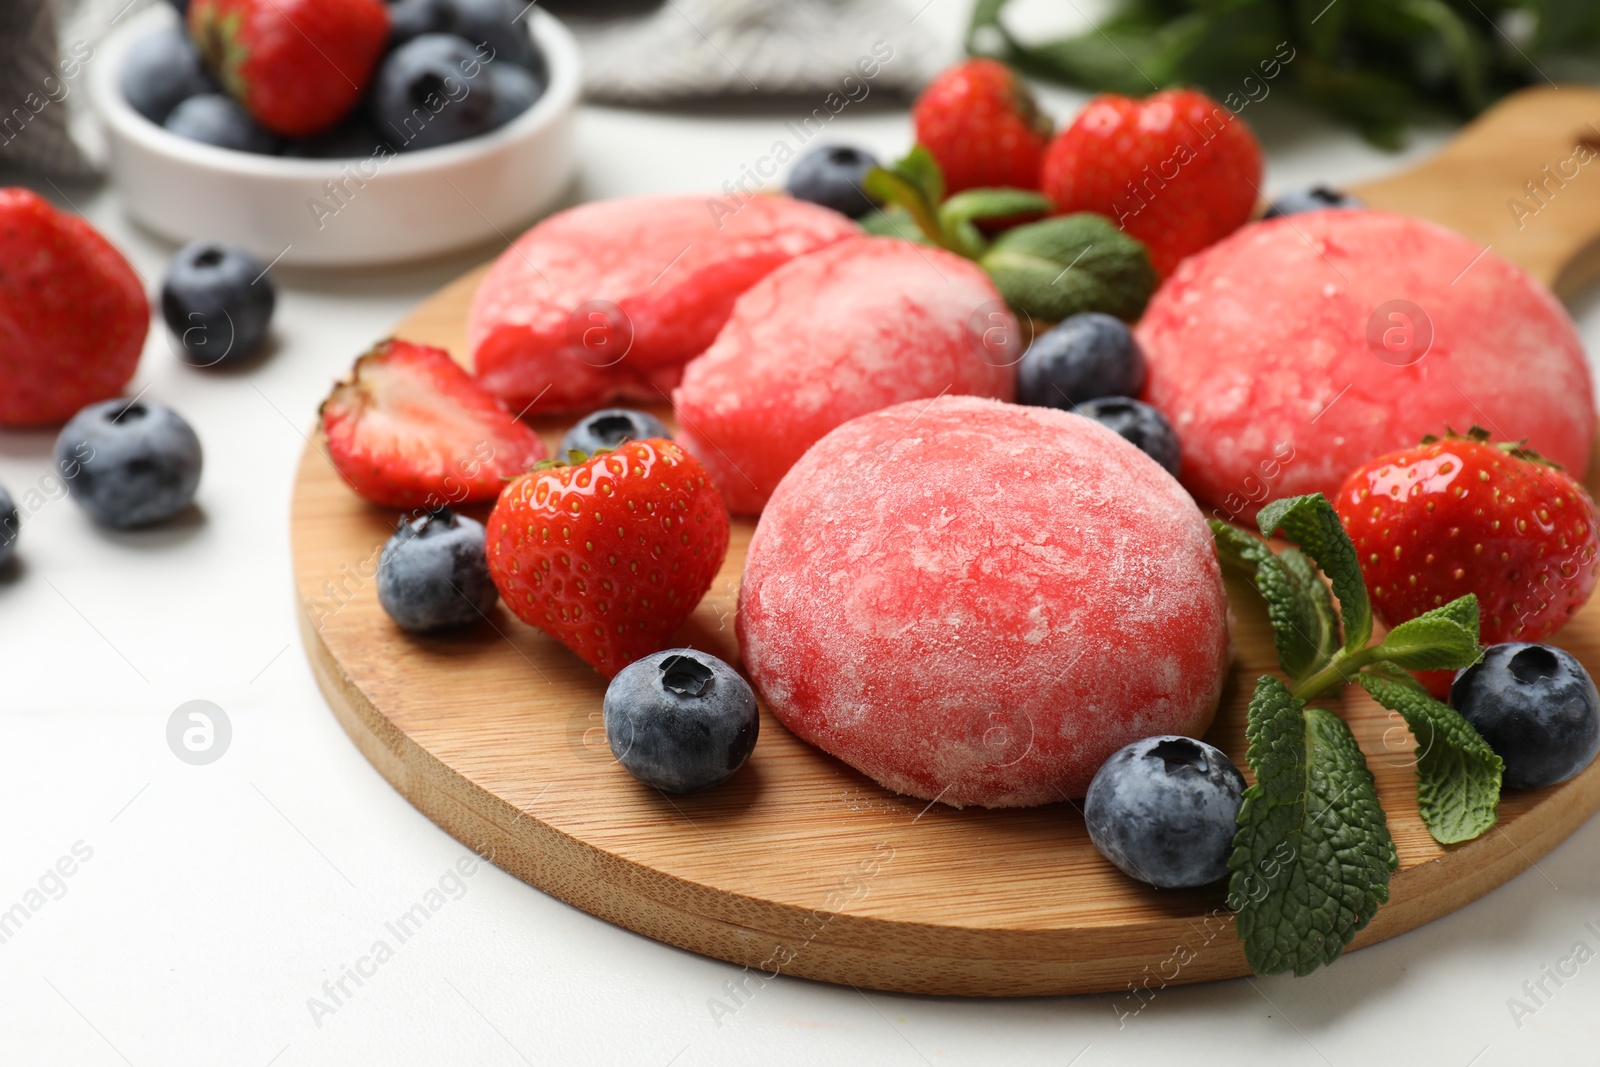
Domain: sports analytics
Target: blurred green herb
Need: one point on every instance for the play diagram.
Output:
(1376, 64)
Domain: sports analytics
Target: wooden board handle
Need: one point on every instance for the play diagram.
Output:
(1523, 178)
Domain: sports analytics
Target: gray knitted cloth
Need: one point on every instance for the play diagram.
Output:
(695, 49)
(41, 79)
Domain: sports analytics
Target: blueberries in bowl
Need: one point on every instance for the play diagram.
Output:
(1141, 424)
(831, 175)
(680, 720)
(434, 573)
(1316, 198)
(608, 428)
(129, 462)
(1536, 707)
(1165, 810)
(1084, 357)
(496, 25)
(433, 90)
(214, 119)
(161, 71)
(218, 301)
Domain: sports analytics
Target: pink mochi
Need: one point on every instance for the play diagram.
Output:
(978, 602)
(607, 301)
(1284, 362)
(857, 326)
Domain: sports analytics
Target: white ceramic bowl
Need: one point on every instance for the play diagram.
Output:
(329, 212)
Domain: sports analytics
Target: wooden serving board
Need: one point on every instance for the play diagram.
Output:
(799, 864)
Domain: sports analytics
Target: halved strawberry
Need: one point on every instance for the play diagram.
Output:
(411, 429)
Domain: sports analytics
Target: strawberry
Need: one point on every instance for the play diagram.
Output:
(411, 429)
(981, 123)
(1177, 170)
(611, 554)
(73, 314)
(1461, 515)
(298, 66)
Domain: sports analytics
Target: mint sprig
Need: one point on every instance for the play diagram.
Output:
(1048, 269)
(1312, 855)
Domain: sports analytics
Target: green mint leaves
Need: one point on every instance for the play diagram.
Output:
(1048, 269)
(1311, 523)
(1313, 854)
(1312, 858)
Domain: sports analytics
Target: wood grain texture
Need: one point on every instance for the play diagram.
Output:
(803, 866)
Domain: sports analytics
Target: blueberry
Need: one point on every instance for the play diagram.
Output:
(515, 91)
(495, 25)
(831, 175)
(1165, 810)
(10, 522)
(1316, 198)
(217, 300)
(214, 119)
(129, 463)
(410, 19)
(161, 71)
(1537, 708)
(608, 428)
(1141, 424)
(432, 90)
(680, 720)
(434, 574)
(1085, 357)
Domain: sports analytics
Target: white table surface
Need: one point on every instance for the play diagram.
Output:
(218, 899)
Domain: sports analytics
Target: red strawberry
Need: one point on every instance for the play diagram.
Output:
(411, 429)
(1459, 515)
(73, 314)
(611, 555)
(981, 123)
(298, 66)
(1177, 170)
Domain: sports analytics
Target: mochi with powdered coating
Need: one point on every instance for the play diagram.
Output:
(857, 326)
(605, 302)
(1292, 352)
(978, 602)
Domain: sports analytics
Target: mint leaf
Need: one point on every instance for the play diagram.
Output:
(1458, 774)
(920, 168)
(1312, 857)
(1445, 638)
(893, 220)
(1305, 628)
(993, 204)
(1310, 522)
(1070, 264)
(895, 190)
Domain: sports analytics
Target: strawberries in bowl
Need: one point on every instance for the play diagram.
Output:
(611, 554)
(411, 429)
(298, 66)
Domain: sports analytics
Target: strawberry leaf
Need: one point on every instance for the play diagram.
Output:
(1458, 774)
(1312, 857)
(1310, 522)
(1445, 638)
(1305, 628)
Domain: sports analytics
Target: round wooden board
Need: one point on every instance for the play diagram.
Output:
(799, 864)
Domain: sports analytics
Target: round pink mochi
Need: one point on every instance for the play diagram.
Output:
(977, 602)
(1295, 350)
(851, 328)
